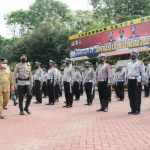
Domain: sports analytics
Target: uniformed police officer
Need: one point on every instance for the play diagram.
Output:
(89, 83)
(103, 75)
(115, 83)
(136, 77)
(148, 76)
(58, 83)
(44, 81)
(77, 80)
(6, 83)
(68, 80)
(38, 83)
(51, 82)
(120, 77)
(94, 86)
(24, 84)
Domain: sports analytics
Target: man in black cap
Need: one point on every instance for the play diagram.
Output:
(25, 83)
(38, 83)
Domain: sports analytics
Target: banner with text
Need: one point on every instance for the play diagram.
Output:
(112, 40)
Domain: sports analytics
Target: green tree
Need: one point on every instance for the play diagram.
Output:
(117, 11)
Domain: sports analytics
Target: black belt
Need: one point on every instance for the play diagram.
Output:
(20, 79)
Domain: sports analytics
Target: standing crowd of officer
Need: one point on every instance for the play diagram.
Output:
(50, 83)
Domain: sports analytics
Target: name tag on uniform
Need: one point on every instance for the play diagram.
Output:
(90, 81)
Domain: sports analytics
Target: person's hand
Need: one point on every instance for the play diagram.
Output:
(93, 85)
(108, 84)
(54, 85)
(146, 83)
(16, 87)
(12, 88)
(125, 84)
(31, 86)
(71, 84)
(142, 83)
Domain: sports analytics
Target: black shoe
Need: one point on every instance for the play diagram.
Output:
(65, 106)
(118, 100)
(15, 103)
(57, 100)
(69, 106)
(89, 104)
(106, 109)
(109, 101)
(131, 112)
(51, 103)
(86, 104)
(101, 109)
(137, 113)
(21, 113)
(64, 102)
(1, 117)
(27, 110)
(122, 100)
(48, 104)
(5, 108)
(35, 102)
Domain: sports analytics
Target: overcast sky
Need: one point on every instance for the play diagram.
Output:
(7, 6)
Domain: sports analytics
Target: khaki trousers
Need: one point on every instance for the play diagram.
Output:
(4, 98)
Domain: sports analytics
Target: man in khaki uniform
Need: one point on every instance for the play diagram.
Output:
(6, 83)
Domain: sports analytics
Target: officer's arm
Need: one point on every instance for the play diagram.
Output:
(109, 73)
(96, 75)
(31, 78)
(126, 75)
(41, 74)
(143, 73)
(11, 80)
(72, 73)
(55, 76)
(15, 74)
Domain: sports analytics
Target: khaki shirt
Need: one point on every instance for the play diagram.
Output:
(6, 79)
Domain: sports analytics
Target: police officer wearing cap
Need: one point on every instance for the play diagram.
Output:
(58, 83)
(148, 76)
(136, 77)
(25, 83)
(89, 83)
(120, 77)
(77, 80)
(44, 81)
(104, 77)
(68, 80)
(6, 84)
(51, 82)
(38, 83)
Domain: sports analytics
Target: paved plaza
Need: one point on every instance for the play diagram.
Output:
(76, 128)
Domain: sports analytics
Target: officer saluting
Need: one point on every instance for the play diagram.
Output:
(136, 76)
(51, 82)
(89, 83)
(38, 83)
(24, 84)
(68, 79)
(103, 75)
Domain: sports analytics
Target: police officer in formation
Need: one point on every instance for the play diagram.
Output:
(38, 83)
(25, 83)
(51, 82)
(115, 82)
(148, 76)
(68, 81)
(89, 83)
(77, 80)
(58, 81)
(94, 76)
(103, 76)
(136, 77)
(44, 81)
(119, 80)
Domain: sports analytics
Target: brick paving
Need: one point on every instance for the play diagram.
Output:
(76, 128)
